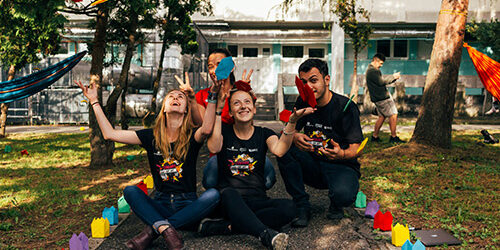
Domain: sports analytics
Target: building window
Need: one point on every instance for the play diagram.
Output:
(233, 49)
(400, 48)
(318, 53)
(63, 49)
(266, 51)
(293, 51)
(250, 52)
(384, 47)
(393, 48)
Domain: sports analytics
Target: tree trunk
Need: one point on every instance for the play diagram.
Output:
(101, 151)
(150, 117)
(121, 85)
(354, 84)
(435, 117)
(4, 107)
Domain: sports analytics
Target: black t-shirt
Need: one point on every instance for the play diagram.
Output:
(171, 176)
(331, 123)
(241, 162)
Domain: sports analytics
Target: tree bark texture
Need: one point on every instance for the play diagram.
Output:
(354, 80)
(435, 117)
(101, 150)
(4, 107)
(129, 52)
(150, 117)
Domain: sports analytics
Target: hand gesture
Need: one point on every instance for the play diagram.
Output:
(221, 99)
(245, 77)
(297, 114)
(88, 91)
(302, 142)
(185, 87)
(332, 153)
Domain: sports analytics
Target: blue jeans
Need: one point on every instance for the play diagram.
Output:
(298, 168)
(210, 173)
(178, 210)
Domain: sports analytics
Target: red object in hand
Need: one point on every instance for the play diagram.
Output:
(24, 152)
(383, 221)
(285, 115)
(242, 85)
(305, 92)
(143, 187)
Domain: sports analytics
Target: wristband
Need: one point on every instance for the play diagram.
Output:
(285, 133)
(212, 97)
(92, 104)
(218, 112)
(211, 101)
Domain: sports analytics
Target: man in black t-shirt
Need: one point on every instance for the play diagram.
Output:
(324, 156)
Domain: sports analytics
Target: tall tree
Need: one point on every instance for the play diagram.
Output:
(175, 24)
(125, 28)
(435, 117)
(27, 35)
(349, 13)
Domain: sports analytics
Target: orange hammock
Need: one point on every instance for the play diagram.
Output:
(487, 69)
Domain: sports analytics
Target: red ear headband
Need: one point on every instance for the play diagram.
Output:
(244, 86)
(305, 92)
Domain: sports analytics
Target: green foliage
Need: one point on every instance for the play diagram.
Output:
(176, 21)
(28, 33)
(348, 13)
(486, 33)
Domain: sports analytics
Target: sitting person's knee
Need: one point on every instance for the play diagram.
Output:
(343, 197)
(131, 191)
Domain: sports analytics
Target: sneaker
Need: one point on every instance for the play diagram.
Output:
(217, 226)
(335, 214)
(375, 139)
(303, 216)
(395, 140)
(274, 240)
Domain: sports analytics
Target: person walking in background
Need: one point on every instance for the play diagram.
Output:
(386, 108)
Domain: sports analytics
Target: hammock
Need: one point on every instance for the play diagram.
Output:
(487, 69)
(23, 87)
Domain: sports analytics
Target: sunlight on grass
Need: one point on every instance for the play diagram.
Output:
(106, 178)
(93, 197)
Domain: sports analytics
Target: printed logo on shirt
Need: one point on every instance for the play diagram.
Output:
(170, 170)
(319, 139)
(242, 165)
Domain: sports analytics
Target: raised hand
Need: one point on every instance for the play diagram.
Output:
(185, 87)
(89, 91)
(297, 114)
(245, 77)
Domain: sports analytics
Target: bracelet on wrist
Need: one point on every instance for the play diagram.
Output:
(218, 112)
(92, 104)
(212, 97)
(288, 133)
(212, 101)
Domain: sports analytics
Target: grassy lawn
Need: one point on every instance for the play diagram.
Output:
(456, 189)
(49, 195)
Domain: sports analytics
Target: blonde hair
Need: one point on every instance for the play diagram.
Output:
(161, 140)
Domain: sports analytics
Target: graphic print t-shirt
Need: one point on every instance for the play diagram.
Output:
(241, 162)
(171, 175)
(331, 123)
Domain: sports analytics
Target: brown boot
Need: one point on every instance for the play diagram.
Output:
(143, 239)
(172, 238)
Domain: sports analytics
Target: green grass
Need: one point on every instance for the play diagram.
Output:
(456, 189)
(52, 193)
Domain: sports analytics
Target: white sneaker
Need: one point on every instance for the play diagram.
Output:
(280, 241)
